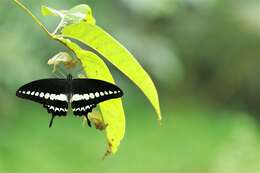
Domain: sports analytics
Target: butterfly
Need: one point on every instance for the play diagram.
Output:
(81, 94)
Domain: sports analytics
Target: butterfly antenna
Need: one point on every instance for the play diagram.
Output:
(52, 118)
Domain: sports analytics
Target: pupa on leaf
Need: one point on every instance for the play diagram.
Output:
(62, 58)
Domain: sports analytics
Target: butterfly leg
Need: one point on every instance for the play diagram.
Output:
(89, 123)
(52, 118)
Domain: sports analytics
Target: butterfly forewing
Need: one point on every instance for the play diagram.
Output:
(52, 93)
(87, 93)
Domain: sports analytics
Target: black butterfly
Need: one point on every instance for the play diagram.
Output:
(56, 94)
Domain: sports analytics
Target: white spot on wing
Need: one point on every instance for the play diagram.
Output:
(91, 95)
(106, 93)
(77, 97)
(115, 92)
(42, 94)
(61, 97)
(47, 95)
(36, 94)
(28, 92)
(86, 96)
(101, 93)
(52, 96)
(110, 92)
(97, 94)
(32, 93)
(23, 92)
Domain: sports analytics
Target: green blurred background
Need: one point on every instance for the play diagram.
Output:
(204, 58)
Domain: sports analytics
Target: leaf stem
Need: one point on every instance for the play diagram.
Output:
(53, 36)
(59, 26)
(34, 17)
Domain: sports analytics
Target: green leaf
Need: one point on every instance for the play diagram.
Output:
(47, 11)
(82, 11)
(118, 55)
(112, 110)
(74, 15)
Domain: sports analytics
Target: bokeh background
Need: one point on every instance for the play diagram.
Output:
(203, 56)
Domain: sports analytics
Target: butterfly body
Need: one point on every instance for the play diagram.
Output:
(57, 94)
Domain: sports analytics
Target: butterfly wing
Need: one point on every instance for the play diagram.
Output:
(87, 93)
(52, 93)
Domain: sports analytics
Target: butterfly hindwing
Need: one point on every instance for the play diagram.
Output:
(87, 93)
(81, 108)
(59, 108)
(49, 92)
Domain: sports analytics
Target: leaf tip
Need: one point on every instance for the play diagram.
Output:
(108, 152)
(159, 122)
(44, 10)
